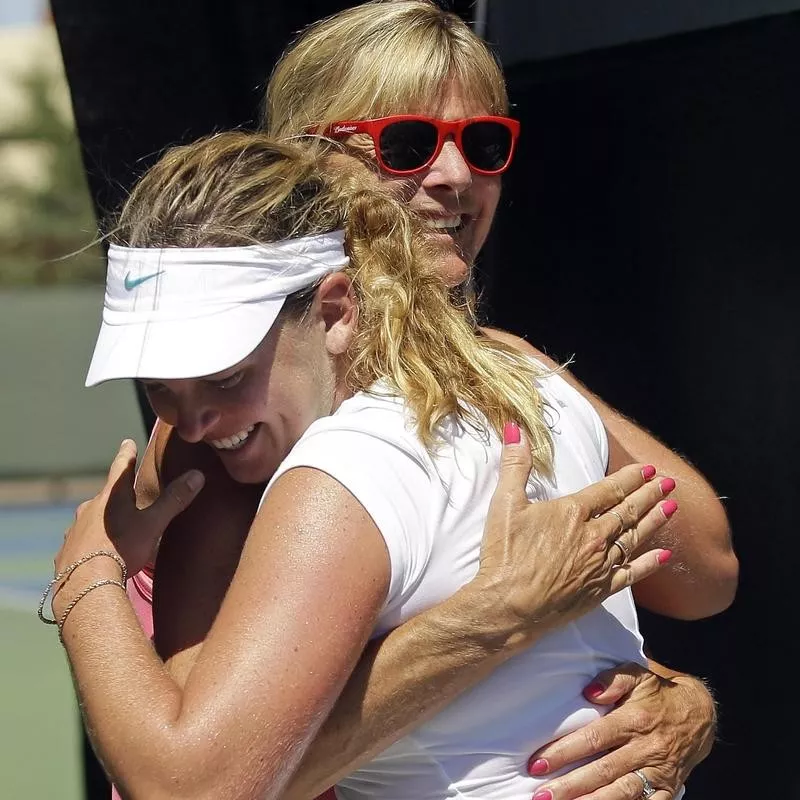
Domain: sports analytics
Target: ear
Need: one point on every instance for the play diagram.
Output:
(338, 309)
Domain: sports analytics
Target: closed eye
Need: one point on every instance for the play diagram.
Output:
(229, 381)
(153, 387)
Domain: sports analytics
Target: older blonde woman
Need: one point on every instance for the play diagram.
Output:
(369, 69)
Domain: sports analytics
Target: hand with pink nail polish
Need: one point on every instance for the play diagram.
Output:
(549, 563)
(662, 723)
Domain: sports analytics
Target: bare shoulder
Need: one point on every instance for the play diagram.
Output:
(520, 344)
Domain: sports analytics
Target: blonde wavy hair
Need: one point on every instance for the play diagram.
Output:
(377, 59)
(242, 188)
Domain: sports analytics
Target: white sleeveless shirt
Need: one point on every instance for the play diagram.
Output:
(430, 510)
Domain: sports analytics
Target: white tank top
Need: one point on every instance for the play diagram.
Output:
(430, 510)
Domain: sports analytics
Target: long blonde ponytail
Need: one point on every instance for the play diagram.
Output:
(242, 188)
(412, 335)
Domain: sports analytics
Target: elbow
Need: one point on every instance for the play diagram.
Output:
(723, 576)
(726, 584)
(175, 774)
(174, 787)
(214, 776)
(717, 592)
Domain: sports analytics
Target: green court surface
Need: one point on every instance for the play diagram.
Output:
(40, 736)
(39, 726)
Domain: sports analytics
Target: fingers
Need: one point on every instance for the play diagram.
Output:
(586, 742)
(174, 499)
(635, 537)
(124, 460)
(611, 685)
(613, 490)
(604, 779)
(515, 466)
(609, 777)
(639, 516)
(638, 568)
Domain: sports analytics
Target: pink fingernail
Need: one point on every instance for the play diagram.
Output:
(668, 508)
(593, 690)
(511, 433)
(544, 794)
(667, 485)
(664, 556)
(648, 472)
(539, 767)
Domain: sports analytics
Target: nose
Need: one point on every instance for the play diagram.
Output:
(450, 170)
(193, 422)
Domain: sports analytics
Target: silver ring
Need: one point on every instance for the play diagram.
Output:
(626, 553)
(621, 521)
(648, 790)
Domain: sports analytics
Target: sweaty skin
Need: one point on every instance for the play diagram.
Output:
(699, 535)
(451, 646)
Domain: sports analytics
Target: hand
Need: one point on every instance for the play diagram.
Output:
(662, 726)
(111, 520)
(548, 563)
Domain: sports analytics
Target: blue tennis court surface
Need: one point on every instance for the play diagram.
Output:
(29, 538)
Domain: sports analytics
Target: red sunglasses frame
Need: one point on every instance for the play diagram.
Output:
(444, 128)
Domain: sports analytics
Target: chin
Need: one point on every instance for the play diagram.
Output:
(250, 472)
(454, 270)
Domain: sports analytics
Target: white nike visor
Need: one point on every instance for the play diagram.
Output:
(174, 313)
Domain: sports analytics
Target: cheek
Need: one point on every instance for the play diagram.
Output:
(487, 191)
(163, 406)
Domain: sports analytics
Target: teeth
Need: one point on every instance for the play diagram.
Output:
(232, 442)
(444, 222)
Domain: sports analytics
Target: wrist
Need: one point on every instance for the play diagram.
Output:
(703, 707)
(84, 574)
(492, 623)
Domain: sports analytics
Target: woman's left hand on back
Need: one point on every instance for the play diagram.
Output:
(661, 726)
(112, 522)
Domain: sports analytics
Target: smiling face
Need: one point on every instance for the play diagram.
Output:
(457, 204)
(253, 413)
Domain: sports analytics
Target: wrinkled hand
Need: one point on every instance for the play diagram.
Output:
(548, 563)
(111, 520)
(664, 727)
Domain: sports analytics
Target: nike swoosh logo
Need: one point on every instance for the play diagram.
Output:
(130, 285)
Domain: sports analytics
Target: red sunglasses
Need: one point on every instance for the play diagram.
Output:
(407, 143)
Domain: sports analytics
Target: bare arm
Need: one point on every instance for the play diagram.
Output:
(701, 580)
(420, 667)
(270, 669)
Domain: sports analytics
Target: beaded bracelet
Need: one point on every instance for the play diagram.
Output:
(72, 603)
(67, 571)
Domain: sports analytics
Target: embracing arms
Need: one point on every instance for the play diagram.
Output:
(261, 685)
(420, 667)
(702, 577)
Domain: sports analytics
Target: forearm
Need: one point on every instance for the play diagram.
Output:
(403, 680)
(129, 703)
(702, 576)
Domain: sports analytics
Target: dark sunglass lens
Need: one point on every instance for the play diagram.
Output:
(487, 145)
(407, 145)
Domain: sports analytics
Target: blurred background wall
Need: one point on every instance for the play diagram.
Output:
(57, 437)
(50, 301)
